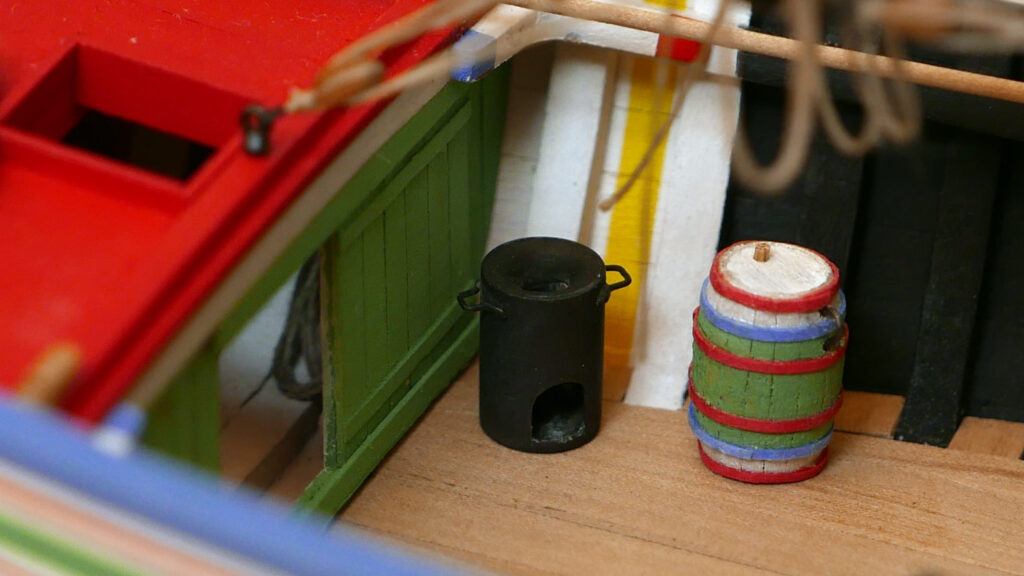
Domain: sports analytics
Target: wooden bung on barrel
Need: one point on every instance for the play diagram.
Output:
(766, 378)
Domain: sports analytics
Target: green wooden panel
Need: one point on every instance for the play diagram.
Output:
(185, 421)
(440, 282)
(464, 230)
(353, 423)
(396, 264)
(346, 310)
(417, 252)
(390, 335)
(420, 235)
(417, 164)
(376, 301)
(336, 484)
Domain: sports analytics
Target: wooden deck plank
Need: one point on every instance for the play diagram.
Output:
(986, 436)
(307, 464)
(870, 414)
(262, 440)
(638, 500)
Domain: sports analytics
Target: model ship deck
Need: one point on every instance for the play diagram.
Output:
(637, 500)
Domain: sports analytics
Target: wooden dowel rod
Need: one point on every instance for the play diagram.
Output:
(50, 374)
(781, 47)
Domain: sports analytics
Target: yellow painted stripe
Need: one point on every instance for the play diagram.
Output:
(671, 4)
(632, 221)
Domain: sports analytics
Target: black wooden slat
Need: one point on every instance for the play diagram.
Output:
(969, 171)
(890, 267)
(997, 378)
(831, 185)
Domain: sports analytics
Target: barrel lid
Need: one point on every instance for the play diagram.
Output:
(775, 276)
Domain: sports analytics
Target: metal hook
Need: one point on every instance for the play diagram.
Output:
(256, 124)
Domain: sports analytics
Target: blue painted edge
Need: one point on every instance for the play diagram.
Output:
(189, 501)
(477, 52)
(127, 418)
(748, 453)
(767, 334)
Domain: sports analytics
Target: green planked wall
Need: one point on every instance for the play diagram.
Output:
(394, 335)
(398, 242)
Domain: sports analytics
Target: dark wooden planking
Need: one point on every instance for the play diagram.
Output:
(997, 376)
(969, 171)
(888, 273)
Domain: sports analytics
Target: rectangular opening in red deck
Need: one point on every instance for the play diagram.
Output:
(128, 112)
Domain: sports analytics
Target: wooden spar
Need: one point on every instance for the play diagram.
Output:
(628, 17)
(781, 47)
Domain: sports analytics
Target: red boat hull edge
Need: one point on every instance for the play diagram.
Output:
(114, 258)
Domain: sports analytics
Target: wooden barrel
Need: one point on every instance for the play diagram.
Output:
(766, 379)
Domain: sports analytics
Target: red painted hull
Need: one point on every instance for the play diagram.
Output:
(114, 258)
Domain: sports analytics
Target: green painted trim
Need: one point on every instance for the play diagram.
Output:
(332, 488)
(185, 421)
(779, 351)
(765, 396)
(57, 553)
(758, 440)
(401, 372)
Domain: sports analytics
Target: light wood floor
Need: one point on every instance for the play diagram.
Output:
(637, 500)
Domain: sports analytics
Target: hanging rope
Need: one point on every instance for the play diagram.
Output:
(299, 340)
(695, 72)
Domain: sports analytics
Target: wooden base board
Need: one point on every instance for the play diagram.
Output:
(616, 382)
(307, 464)
(264, 438)
(869, 414)
(638, 500)
(985, 436)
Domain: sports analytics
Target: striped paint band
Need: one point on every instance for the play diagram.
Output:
(764, 477)
(768, 333)
(477, 53)
(809, 302)
(804, 366)
(50, 554)
(184, 501)
(751, 453)
(759, 425)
